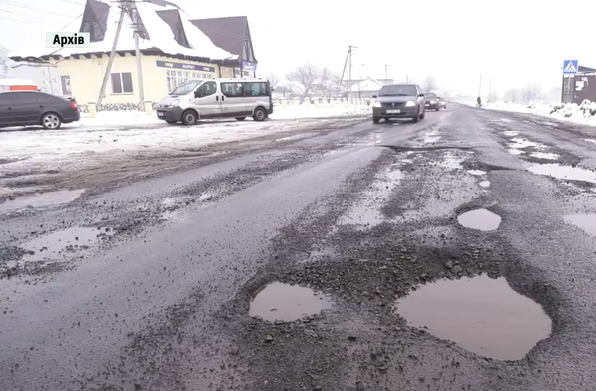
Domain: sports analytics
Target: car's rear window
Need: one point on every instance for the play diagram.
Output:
(402, 90)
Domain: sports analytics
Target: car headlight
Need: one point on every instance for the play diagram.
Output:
(175, 102)
(410, 104)
(432, 102)
(376, 104)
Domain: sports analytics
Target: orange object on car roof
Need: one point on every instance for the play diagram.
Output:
(17, 85)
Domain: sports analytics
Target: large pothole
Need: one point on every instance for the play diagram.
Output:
(288, 303)
(480, 219)
(480, 314)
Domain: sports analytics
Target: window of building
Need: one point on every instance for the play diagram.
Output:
(175, 78)
(121, 83)
(256, 89)
(201, 75)
(232, 90)
(65, 83)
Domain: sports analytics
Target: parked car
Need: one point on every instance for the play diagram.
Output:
(24, 108)
(398, 101)
(198, 99)
(432, 101)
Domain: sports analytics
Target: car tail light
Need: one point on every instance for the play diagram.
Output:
(73, 105)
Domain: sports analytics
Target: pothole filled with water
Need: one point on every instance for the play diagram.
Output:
(516, 152)
(557, 171)
(58, 243)
(545, 156)
(484, 184)
(40, 200)
(586, 222)
(476, 172)
(520, 143)
(510, 133)
(287, 303)
(482, 315)
(480, 219)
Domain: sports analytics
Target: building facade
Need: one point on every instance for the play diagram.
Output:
(80, 73)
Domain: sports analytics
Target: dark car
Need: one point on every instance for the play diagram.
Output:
(399, 101)
(432, 101)
(23, 108)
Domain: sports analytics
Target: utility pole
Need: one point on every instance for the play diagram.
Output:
(490, 89)
(106, 77)
(480, 86)
(350, 51)
(136, 21)
(386, 66)
(407, 78)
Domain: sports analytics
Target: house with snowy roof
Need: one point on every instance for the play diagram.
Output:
(173, 46)
(365, 88)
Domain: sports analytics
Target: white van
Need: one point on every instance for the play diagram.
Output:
(198, 99)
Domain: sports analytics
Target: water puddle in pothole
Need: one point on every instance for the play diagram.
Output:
(509, 133)
(366, 211)
(516, 152)
(484, 184)
(586, 222)
(482, 315)
(520, 143)
(545, 156)
(43, 200)
(69, 240)
(480, 219)
(431, 139)
(476, 172)
(557, 171)
(287, 303)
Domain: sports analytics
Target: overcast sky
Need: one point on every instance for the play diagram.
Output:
(510, 42)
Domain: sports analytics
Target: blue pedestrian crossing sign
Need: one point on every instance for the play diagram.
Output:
(570, 67)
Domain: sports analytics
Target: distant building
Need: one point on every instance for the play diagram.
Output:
(366, 88)
(173, 48)
(580, 86)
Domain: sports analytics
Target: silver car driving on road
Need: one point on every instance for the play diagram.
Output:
(399, 101)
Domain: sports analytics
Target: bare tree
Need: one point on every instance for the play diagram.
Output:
(513, 95)
(532, 92)
(329, 82)
(430, 84)
(307, 75)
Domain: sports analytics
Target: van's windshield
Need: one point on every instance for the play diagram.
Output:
(186, 87)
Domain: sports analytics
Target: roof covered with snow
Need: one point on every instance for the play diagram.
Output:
(162, 26)
(368, 84)
(231, 34)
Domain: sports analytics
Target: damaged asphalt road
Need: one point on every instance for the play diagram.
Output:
(149, 285)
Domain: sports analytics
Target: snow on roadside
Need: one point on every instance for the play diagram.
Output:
(584, 113)
(304, 112)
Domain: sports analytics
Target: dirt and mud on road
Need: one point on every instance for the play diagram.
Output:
(452, 254)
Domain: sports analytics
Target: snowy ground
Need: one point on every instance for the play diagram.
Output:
(124, 138)
(584, 113)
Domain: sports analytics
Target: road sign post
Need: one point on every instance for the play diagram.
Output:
(570, 67)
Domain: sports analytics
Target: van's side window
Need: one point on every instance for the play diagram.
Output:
(208, 88)
(232, 90)
(256, 89)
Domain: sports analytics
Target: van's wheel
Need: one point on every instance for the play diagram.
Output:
(260, 114)
(376, 120)
(437, 109)
(172, 122)
(240, 118)
(51, 121)
(189, 117)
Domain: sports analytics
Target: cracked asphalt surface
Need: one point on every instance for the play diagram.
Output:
(145, 284)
